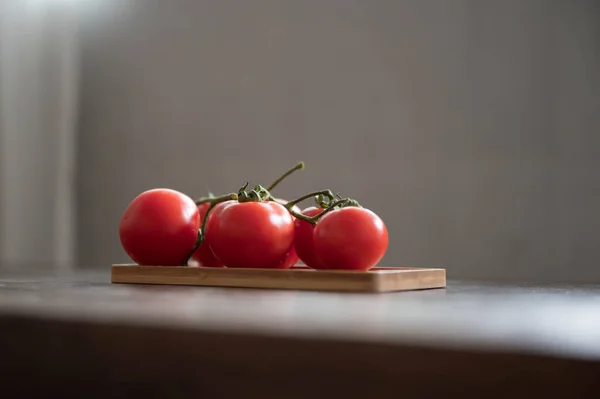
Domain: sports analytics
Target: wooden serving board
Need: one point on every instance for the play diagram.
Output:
(381, 279)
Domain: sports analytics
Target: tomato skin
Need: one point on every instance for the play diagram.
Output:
(292, 257)
(160, 228)
(203, 255)
(350, 238)
(251, 234)
(304, 241)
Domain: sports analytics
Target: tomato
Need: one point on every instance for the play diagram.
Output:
(303, 241)
(160, 228)
(250, 234)
(203, 255)
(350, 238)
(292, 257)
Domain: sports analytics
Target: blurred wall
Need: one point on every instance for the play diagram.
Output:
(39, 69)
(471, 127)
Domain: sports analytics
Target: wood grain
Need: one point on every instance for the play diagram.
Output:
(298, 278)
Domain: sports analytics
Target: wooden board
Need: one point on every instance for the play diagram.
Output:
(298, 278)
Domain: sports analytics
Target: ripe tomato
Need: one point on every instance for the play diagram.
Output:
(250, 234)
(303, 241)
(292, 257)
(350, 238)
(160, 228)
(203, 255)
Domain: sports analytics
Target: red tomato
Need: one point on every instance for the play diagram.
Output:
(303, 241)
(350, 238)
(250, 234)
(160, 228)
(292, 257)
(203, 255)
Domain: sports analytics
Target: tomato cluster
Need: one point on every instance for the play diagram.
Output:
(251, 229)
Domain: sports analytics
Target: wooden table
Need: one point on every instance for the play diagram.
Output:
(75, 334)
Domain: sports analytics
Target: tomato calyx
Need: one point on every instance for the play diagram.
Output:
(324, 199)
(349, 202)
(258, 194)
(340, 203)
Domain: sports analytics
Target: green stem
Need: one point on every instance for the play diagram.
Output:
(196, 245)
(324, 193)
(202, 232)
(286, 174)
(342, 202)
(257, 194)
(314, 219)
(323, 201)
(202, 200)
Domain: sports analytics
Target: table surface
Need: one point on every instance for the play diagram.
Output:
(491, 322)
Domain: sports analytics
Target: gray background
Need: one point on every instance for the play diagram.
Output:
(470, 127)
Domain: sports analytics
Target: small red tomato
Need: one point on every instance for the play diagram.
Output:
(203, 255)
(292, 257)
(303, 241)
(160, 228)
(350, 238)
(250, 234)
